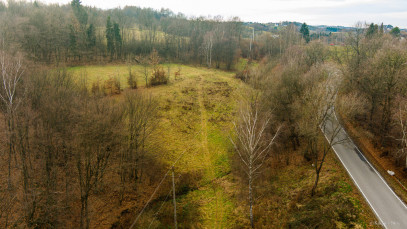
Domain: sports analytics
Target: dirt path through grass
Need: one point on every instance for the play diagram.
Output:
(195, 116)
(204, 118)
(215, 204)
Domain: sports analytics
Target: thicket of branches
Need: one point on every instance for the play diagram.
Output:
(374, 89)
(371, 83)
(74, 34)
(59, 142)
(365, 78)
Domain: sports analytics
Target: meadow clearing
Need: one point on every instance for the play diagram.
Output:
(196, 111)
(196, 114)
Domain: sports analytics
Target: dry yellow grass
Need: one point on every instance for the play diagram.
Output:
(195, 114)
(195, 119)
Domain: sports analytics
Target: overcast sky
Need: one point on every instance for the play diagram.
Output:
(314, 12)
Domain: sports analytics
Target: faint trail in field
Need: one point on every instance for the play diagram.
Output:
(214, 219)
(204, 121)
(215, 216)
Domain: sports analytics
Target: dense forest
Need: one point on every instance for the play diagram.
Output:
(223, 116)
(75, 33)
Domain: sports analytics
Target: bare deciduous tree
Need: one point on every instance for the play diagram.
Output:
(391, 67)
(402, 118)
(139, 118)
(317, 107)
(145, 63)
(252, 143)
(98, 139)
(207, 48)
(11, 73)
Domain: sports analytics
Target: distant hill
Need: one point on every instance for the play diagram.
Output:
(275, 26)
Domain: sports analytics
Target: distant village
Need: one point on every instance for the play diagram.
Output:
(333, 35)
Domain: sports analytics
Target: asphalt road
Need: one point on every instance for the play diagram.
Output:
(390, 211)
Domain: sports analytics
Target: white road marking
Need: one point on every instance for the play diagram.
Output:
(356, 183)
(369, 163)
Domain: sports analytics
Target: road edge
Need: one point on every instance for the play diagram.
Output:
(390, 181)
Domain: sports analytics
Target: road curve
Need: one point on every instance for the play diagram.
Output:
(389, 209)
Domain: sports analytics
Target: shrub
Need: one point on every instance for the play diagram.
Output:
(243, 75)
(159, 77)
(131, 80)
(112, 86)
(95, 88)
(177, 73)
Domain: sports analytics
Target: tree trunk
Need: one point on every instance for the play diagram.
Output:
(87, 213)
(372, 109)
(315, 184)
(123, 173)
(66, 178)
(10, 153)
(251, 202)
(9, 169)
(84, 212)
(174, 201)
(210, 56)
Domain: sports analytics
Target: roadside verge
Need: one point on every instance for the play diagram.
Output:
(364, 144)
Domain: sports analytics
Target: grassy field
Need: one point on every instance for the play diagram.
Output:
(196, 113)
(195, 120)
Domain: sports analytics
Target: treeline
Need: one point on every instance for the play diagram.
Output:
(60, 142)
(365, 80)
(375, 86)
(372, 66)
(300, 93)
(293, 102)
(74, 33)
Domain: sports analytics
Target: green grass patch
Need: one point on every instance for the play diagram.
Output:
(212, 206)
(195, 113)
(195, 119)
